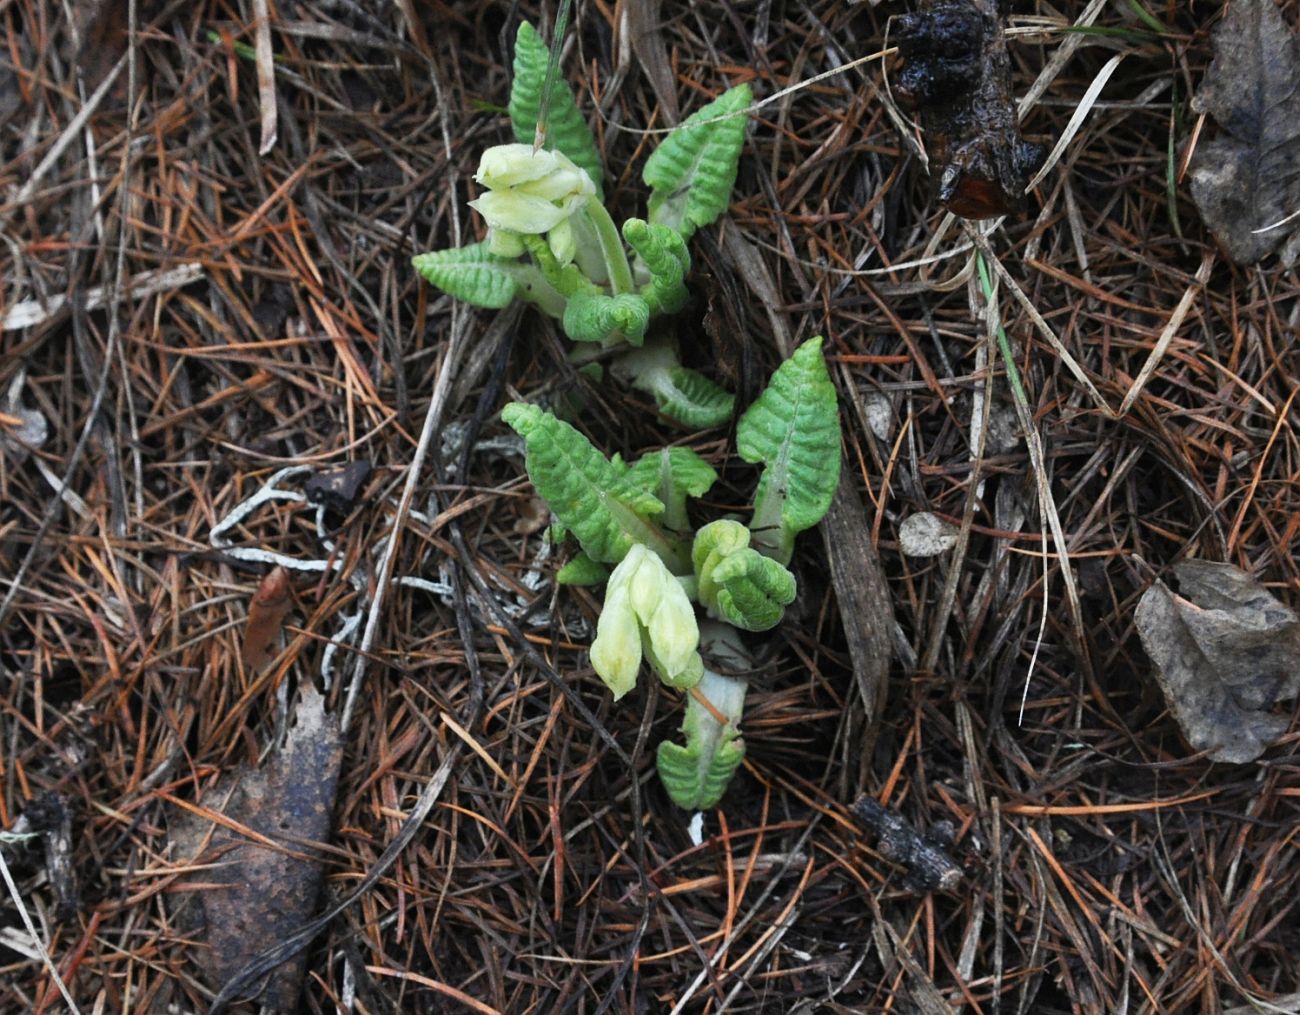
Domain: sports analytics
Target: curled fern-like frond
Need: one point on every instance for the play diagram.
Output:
(752, 590)
(664, 254)
(594, 317)
(735, 582)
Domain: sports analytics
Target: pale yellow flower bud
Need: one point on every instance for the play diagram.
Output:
(616, 652)
(529, 192)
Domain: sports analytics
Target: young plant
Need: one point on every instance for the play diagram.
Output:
(551, 242)
(634, 517)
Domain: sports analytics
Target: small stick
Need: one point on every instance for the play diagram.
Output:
(929, 867)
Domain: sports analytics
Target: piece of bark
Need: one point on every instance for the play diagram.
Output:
(924, 857)
(957, 76)
(866, 610)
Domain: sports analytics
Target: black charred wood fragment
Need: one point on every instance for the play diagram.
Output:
(50, 817)
(924, 857)
(338, 489)
(957, 76)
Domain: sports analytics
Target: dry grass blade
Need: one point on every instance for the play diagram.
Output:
(265, 74)
(1166, 335)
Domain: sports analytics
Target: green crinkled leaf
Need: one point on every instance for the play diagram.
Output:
(692, 172)
(591, 496)
(566, 130)
(752, 590)
(582, 570)
(672, 475)
(794, 430)
(736, 583)
(697, 774)
(664, 254)
(595, 317)
(712, 544)
(688, 397)
(474, 274)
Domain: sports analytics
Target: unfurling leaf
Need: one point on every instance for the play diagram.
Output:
(692, 172)
(1225, 651)
(697, 775)
(794, 430)
(591, 496)
(663, 252)
(737, 583)
(476, 275)
(595, 317)
(1245, 182)
(672, 475)
(690, 398)
(566, 130)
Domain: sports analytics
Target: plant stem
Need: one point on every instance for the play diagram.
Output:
(611, 248)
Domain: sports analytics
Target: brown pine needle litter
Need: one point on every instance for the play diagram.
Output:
(208, 212)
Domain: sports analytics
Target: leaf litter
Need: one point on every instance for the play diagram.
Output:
(1246, 182)
(266, 874)
(1225, 652)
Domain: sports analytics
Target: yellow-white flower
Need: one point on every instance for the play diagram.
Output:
(645, 605)
(530, 193)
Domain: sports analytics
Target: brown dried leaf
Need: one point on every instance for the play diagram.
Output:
(105, 34)
(1225, 651)
(266, 612)
(1248, 179)
(256, 895)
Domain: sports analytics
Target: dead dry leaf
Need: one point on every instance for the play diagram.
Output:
(266, 612)
(265, 75)
(256, 895)
(1225, 652)
(1246, 182)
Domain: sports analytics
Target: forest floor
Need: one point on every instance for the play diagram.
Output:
(202, 315)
